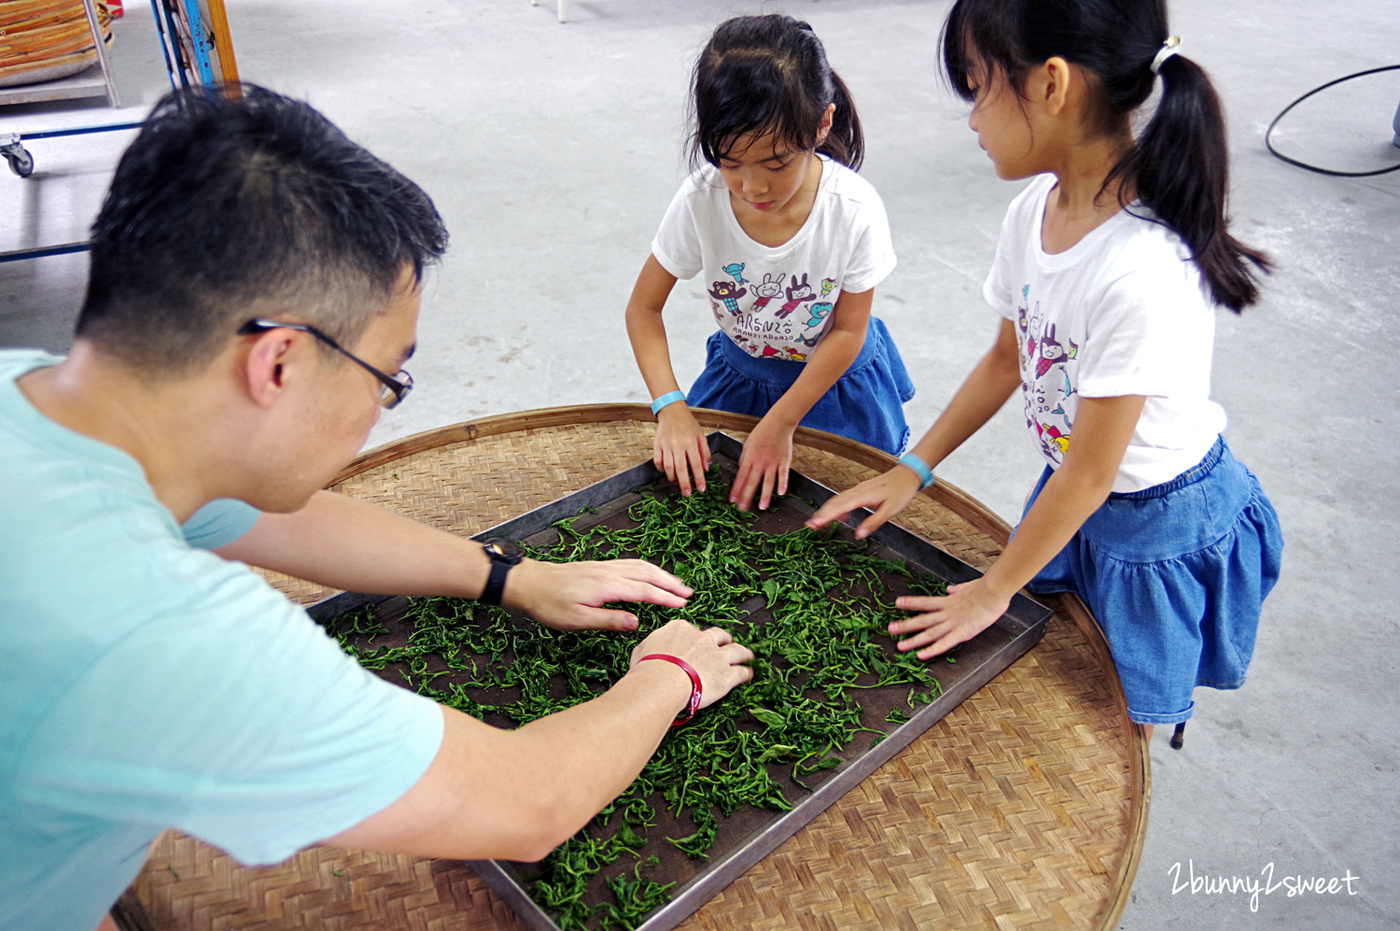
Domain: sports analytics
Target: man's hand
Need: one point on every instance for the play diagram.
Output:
(712, 652)
(517, 793)
(570, 596)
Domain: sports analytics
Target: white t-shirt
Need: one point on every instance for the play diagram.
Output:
(776, 301)
(1123, 311)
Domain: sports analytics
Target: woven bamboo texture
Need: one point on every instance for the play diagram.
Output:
(39, 35)
(1023, 808)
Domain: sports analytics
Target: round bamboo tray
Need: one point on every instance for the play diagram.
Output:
(43, 40)
(1023, 808)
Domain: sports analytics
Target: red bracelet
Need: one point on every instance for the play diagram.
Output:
(695, 692)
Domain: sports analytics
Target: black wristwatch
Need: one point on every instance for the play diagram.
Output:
(504, 555)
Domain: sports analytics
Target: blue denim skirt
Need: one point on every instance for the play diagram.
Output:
(866, 404)
(1176, 575)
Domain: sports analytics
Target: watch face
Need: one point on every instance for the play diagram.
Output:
(507, 548)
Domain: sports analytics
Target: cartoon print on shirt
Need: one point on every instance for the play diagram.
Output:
(787, 352)
(744, 343)
(1054, 437)
(764, 329)
(769, 289)
(799, 292)
(1051, 352)
(1060, 440)
(729, 294)
(1046, 357)
(1022, 323)
(819, 312)
(812, 329)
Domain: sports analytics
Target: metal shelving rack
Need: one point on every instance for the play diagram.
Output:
(198, 50)
(82, 84)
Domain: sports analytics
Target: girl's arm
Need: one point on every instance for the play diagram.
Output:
(680, 449)
(986, 389)
(768, 450)
(1102, 429)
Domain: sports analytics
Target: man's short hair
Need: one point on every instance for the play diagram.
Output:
(230, 206)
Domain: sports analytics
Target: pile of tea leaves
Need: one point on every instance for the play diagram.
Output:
(813, 608)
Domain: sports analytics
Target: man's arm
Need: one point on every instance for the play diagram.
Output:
(340, 542)
(518, 794)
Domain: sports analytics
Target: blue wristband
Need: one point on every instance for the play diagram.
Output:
(921, 469)
(666, 400)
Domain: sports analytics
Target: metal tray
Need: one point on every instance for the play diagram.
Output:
(753, 834)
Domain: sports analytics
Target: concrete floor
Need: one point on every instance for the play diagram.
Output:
(552, 152)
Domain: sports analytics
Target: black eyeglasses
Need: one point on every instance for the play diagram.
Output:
(393, 389)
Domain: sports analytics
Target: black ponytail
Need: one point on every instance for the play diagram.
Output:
(1178, 167)
(769, 74)
(846, 142)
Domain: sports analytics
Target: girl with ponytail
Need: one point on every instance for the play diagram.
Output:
(791, 243)
(1106, 276)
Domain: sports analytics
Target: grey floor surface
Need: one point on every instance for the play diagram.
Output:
(552, 152)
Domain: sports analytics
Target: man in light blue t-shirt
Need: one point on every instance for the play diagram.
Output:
(253, 297)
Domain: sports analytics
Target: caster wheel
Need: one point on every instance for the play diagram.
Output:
(21, 162)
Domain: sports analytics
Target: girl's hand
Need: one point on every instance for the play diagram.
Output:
(765, 461)
(885, 495)
(968, 609)
(680, 449)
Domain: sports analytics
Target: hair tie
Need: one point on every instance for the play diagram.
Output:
(1167, 50)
